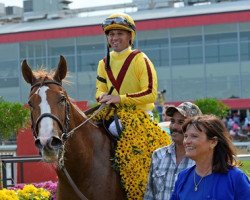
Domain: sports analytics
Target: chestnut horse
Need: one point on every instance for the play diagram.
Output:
(63, 137)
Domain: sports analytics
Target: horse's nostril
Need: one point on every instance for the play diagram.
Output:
(38, 144)
(55, 142)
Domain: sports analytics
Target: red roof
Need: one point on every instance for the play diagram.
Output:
(147, 24)
(237, 103)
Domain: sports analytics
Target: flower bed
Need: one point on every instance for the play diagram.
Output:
(35, 191)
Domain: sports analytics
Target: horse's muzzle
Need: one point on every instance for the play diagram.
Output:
(53, 143)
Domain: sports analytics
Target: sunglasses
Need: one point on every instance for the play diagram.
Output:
(117, 20)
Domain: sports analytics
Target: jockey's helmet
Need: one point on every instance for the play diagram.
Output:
(120, 21)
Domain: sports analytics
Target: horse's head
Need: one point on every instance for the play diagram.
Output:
(49, 108)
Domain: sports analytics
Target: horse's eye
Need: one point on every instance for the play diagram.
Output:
(30, 105)
(62, 100)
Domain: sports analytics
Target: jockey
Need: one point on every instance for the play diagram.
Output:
(129, 71)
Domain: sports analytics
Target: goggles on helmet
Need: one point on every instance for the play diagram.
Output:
(117, 20)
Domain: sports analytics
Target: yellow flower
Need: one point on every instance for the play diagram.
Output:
(27, 193)
(8, 195)
(31, 192)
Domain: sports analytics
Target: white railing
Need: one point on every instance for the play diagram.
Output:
(245, 145)
(243, 157)
(10, 169)
(8, 149)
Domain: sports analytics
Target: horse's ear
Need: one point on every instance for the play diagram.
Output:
(27, 73)
(61, 70)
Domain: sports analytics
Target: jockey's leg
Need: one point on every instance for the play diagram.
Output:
(150, 113)
(113, 128)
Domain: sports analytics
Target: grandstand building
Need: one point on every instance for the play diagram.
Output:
(199, 50)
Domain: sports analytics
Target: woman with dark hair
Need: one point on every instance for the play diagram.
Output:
(215, 175)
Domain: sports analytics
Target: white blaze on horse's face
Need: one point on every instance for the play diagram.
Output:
(46, 124)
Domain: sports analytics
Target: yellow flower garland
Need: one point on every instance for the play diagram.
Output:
(140, 137)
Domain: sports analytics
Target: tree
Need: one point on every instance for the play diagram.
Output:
(13, 116)
(212, 106)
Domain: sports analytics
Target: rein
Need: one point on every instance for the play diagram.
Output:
(66, 135)
(97, 109)
(73, 185)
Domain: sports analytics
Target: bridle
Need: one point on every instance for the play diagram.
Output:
(34, 125)
(65, 132)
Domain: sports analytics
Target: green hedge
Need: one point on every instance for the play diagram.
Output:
(13, 116)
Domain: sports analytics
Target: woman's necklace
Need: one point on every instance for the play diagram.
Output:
(197, 184)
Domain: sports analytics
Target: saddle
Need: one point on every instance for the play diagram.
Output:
(106, 123)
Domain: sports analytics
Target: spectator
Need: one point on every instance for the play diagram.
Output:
(215, 175)
(230, 123)
(246, 125)
(236, 128)
(236, 117)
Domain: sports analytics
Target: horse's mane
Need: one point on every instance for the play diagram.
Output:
(42, 72)
(77, 108)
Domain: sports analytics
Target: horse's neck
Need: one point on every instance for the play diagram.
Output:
(77, 116)
(87, 158)
(88, 142)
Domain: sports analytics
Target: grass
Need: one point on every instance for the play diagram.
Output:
(246, 167)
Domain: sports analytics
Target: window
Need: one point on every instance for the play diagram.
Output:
(28, 6)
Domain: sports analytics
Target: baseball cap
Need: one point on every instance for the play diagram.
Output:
(187, 109)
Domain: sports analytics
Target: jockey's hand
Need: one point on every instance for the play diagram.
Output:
(108, 99)
(101, 96)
